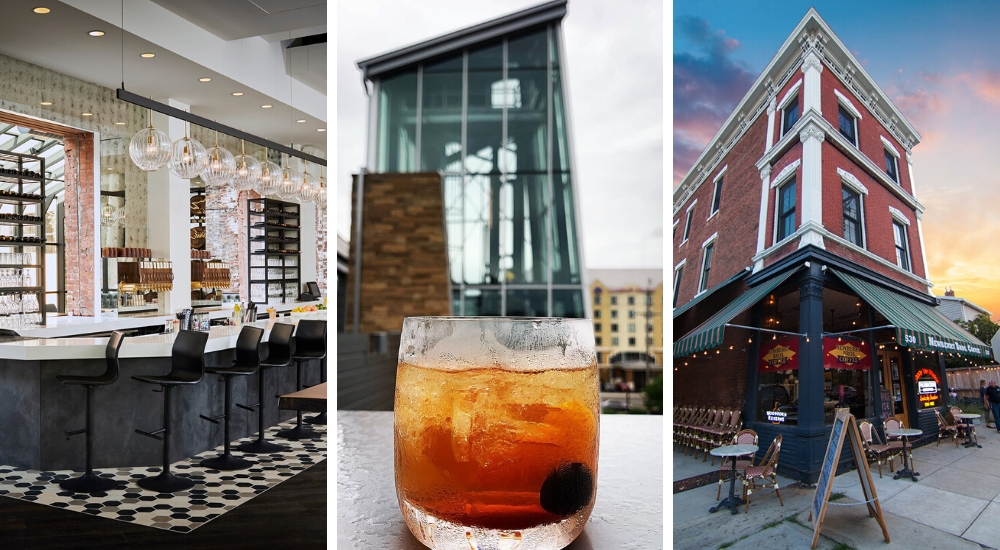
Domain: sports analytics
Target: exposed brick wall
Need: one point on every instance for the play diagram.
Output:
(869, 128)
(404, 256)
(878, 220)
(717, 379)
(80, 224)
(793, 154)
(736, 221)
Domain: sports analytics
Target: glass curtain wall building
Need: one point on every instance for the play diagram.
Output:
(487, 109)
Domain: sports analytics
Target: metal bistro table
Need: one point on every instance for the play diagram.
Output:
(970, 430)
(905, 433)
(732, 452)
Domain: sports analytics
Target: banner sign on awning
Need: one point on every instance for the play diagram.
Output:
(840, 353)
(779, 355)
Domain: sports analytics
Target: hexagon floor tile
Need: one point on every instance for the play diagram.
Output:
(215, 493)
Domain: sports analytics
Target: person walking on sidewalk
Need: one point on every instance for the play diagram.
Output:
(993, 396)
(986, 404)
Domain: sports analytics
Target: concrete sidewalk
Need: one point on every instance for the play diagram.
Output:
(955, 505)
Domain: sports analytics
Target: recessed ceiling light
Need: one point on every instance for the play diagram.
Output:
(206, 79)
(321, 130)
(41, 10)
(88, 114)
(237, 94)
(265, 106)
(46, 103)
(147, 55)
(120, 123)
(96, 33)
(301, 120)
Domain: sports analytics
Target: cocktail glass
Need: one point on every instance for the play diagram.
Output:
(496, 431)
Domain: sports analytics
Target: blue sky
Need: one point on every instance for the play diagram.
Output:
(937, 61)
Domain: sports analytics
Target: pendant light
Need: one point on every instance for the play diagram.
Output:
(247, 170)
(187, 157)
(320, 199)
(270, 177)
(291, 182)
(310, 186)
(150, 148)
(220, 167)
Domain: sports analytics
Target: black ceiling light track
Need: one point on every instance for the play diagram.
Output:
(174, 112)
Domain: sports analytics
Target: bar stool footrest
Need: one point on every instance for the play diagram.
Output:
(153, 434)
(75, 432)
(212, 419)
(250, 408)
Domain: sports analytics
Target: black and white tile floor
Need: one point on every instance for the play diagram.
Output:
(215, 493)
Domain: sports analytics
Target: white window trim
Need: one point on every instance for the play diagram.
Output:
(861, 212)
(899, 216)
(715, 187)
(792, 93)
(701, 272)
(892, 148)
(906, 244)
(680, 265)
(777, 213)
(852, 181)
(846, 102)
(686, 230)
(786, 173)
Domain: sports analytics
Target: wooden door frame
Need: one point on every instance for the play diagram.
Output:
(884, 364)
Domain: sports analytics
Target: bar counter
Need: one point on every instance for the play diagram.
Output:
(36, 410)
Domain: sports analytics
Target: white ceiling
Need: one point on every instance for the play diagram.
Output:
(234, 19)
(59, 41)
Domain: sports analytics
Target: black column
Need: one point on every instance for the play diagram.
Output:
(811, 428)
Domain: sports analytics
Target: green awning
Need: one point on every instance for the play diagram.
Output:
(709, 334)
(917, 325)
(709, 292)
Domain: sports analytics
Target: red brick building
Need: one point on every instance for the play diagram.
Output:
(800, 280)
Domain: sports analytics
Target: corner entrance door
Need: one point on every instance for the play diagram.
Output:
(892, 380)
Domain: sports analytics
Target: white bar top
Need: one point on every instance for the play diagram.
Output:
(154, 345)
(66, 326)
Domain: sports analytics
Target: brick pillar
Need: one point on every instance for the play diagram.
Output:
(404, 255)
(80, 224)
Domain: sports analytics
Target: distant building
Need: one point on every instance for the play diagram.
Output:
(343, 256)
(468, 197)
(627, 309)
(959, 309)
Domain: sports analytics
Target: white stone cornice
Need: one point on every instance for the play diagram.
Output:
(852, 181)
(811, 131)
(785, 173)
(811, 61)
(765, 172)
(771, 106)
(898, 215)
(909, 157)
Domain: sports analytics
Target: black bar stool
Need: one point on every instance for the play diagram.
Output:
(247, 362)
(310, 344)
(88, 482)
(187, 367)
(279, 354)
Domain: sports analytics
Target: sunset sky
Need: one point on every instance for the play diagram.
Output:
(938, 62)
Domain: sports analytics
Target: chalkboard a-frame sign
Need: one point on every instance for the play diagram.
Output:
(844, 425)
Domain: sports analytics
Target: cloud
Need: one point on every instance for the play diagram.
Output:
(708, 85)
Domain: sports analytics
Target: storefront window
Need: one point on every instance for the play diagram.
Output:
(778, 361)
(844, 388)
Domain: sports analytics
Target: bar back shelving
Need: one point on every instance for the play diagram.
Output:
(274, 248)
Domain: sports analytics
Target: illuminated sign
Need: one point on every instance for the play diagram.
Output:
(928, 388)
(776, 416)
(779, 355)
(842, 353)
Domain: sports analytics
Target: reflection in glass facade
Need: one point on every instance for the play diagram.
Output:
(492, 119)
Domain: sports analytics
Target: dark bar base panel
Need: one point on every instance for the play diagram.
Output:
(36, 410)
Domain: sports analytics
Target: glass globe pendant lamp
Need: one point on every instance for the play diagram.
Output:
(150, 148)
(187, 157)
(320, 199)
(291, 182)
(270, 177)
(220, 168)
(310, 187)
(247, 170)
